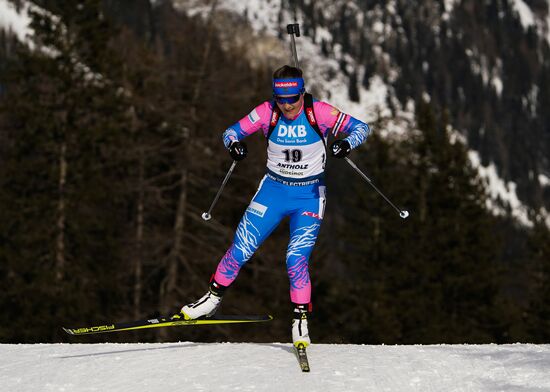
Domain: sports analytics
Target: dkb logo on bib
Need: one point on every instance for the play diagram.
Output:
(292, 131)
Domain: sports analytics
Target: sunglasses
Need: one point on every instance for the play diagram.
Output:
(290, 100)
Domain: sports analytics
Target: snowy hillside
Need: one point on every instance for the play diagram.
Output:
(326, 79)
(16, 21)
(328, 74)
(272, 367)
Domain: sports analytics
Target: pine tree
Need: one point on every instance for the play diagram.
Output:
(431, 278)
(538, 312)
(63, 116)
(456, 252)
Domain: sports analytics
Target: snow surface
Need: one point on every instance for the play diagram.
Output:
(449, 6)
(17, 23)
(528, 18)
(273, 367)
(262, 15)
(499, 190)
(544, 180)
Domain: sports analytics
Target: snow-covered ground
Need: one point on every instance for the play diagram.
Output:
(191, 366)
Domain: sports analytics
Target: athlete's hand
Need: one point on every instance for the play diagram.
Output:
(340, 148)
(238, 150)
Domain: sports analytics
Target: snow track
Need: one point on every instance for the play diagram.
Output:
(272, 367)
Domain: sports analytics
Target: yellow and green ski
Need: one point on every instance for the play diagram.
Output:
(161, 322)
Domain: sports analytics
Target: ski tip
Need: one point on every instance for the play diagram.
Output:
(267, 317)
(68, 331)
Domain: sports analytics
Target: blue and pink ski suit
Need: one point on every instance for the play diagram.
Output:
(293, 186)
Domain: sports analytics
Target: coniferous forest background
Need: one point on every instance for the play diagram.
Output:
(110, 150)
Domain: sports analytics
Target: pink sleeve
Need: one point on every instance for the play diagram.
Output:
(257, 119)
(328, 117)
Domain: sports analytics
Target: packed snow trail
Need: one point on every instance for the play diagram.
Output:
(272, 367)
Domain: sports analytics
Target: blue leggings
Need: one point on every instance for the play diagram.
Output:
(272, 202)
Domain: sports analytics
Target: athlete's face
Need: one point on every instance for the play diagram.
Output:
(289, 106)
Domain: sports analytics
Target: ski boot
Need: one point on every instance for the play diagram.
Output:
(206, 306)
(300, 333)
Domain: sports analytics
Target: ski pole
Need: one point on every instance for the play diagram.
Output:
(402, 213)
(293, 29)
(206, 215)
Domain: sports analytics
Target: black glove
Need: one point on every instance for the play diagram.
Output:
(340, 148)
(238, 151)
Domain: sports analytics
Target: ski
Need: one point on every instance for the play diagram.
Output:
(302, 357)
(162, 322)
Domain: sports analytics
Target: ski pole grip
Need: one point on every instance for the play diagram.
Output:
(293, 28)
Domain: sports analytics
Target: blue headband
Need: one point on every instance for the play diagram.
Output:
(288, 86)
